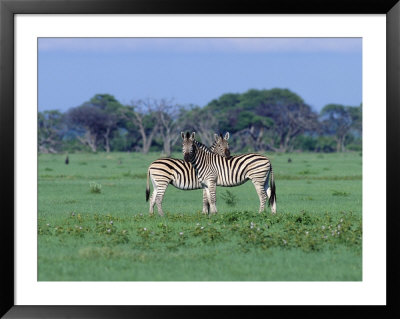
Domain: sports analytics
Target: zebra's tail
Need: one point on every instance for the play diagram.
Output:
(148, 186)
(272, 197)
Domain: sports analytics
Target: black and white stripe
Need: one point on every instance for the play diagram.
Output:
(213, 170)
(181, 174)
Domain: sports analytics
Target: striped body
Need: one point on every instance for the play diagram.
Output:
(213, 170)
(239, 169)
(181, 174)
(176, 172)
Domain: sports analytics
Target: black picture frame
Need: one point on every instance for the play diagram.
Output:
(8, 9)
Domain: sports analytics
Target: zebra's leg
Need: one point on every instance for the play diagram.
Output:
(271, 191)
(157, 198)
(212, 198)
(262, 195)
(269, 194)
(152, 202)
(266, 186)
(206, 203)
(153, 198)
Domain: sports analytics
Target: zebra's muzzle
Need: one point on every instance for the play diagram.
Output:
(227, 153)
(186, 157)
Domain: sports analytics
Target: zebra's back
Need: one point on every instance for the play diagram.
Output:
(174, 171)
(240, 168)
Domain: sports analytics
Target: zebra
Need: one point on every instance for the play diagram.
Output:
(180, 174)
(213, 170)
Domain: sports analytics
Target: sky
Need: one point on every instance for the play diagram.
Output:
(197, 70)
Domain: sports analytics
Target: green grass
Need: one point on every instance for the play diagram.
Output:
(86, 235)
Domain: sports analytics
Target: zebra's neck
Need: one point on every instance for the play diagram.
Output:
(212, 147)
(202, 147)
(201, 154)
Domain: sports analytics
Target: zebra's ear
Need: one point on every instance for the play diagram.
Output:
(192, 136)
(216, 137)
(226, 136)
(183, 135)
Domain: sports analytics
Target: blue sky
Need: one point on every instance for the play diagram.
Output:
(197, 70)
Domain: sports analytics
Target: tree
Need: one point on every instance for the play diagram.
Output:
(50, 131)
(222, 107)
(200, 120)
(356, 118)
(167, 113)
(337, 122)
(90, 122)
(110, 106)
(142, 116)
(96, 120)
(250, 131)
(267, 119)
(291, 117)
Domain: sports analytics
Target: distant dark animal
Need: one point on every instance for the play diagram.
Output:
(289, 160)
(67, 160)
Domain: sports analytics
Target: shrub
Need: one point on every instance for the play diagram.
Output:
(95, 188)
(229, 198)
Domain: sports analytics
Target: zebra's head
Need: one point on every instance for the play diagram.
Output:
(187, 145)
(221, 145)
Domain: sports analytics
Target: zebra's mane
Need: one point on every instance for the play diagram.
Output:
(204, 147)
(212, 147)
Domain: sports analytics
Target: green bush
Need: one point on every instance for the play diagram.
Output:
(95, 187)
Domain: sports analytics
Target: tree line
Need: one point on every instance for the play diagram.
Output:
(258, 120)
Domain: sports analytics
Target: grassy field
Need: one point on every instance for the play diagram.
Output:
(84, 235)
